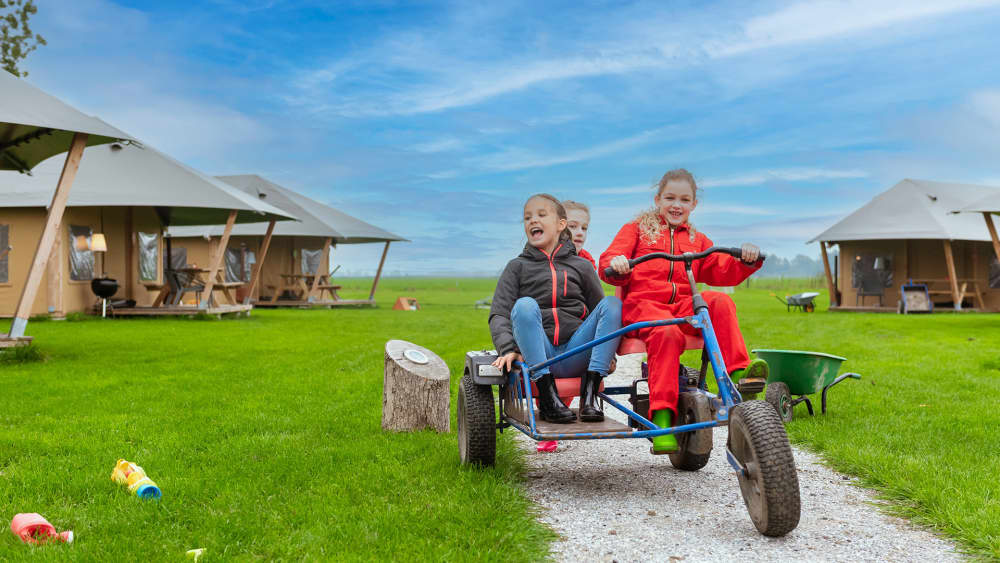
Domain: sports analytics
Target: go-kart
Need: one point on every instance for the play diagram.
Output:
(757, 447)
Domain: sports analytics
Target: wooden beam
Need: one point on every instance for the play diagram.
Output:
(52, 222)
(130, 253)
(993, 233)
(220, 254)
(322, 268)
(829, 277)
(54, 271)
(949, 258)
(259, 266)
(378, 274)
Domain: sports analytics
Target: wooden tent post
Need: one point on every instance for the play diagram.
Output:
(952, 277)
(993, 233)
(52, 222)
(129, 253)
(54, 269)
(323, 266)
(378, 274)
(255, 277)
(829, 277)
(213, 270)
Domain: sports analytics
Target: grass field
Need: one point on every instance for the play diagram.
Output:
(264, 432)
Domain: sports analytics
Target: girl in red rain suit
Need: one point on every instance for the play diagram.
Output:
(660, 290)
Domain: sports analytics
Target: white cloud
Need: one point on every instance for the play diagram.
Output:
(520, 159)
(641, 188)
(815, 21)
(787, 175)
(750, 179)
(448, 82)
(447, 144)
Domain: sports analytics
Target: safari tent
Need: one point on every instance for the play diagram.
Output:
(290, 257)
(912, 232)
(123, 198)
(33, 127)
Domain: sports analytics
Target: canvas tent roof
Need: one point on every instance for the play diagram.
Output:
(315, 218)
(131, 175)
(988, 204)
(35, 125)
(915, 209)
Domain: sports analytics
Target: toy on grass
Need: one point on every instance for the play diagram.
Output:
(131, 475)
(32, 527)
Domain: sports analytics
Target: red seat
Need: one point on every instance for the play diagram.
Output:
(631, 344)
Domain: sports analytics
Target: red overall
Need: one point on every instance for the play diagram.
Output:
(658, 289)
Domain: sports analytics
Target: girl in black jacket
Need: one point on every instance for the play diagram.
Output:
(547, 301)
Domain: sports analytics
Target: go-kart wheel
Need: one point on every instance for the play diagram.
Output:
(768, 482)
(694, 448)
(477, 423)
(778, 396)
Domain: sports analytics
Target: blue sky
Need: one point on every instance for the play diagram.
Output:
(436, 120)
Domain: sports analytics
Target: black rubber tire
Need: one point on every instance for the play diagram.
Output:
(770, 487)
(779, 397)
(477, 423)
(695, 447)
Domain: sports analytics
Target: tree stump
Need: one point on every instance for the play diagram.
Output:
(416, 390)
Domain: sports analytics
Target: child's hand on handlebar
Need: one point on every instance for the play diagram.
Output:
(620, 265)
(507, 360)
(751, 253)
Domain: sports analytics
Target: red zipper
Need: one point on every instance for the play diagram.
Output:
(555, 293)
(670, 276)
(565, 283)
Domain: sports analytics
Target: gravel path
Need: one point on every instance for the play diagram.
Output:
(610, 500)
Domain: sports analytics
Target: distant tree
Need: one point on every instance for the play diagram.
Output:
(16, 39)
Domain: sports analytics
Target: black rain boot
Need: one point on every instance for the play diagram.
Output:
(550, 406)
(590, 383)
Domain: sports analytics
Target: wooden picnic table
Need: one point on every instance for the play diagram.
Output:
(303, 285)
(196, 278)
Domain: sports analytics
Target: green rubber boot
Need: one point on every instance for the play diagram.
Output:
(666, 444)
(751, 380)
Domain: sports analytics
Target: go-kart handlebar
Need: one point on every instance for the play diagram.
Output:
(686, 257)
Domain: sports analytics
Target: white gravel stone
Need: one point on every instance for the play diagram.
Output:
(610, 500)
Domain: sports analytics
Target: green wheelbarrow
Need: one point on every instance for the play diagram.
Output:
(798, 373)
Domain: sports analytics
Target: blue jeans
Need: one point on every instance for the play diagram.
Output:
(536, 347)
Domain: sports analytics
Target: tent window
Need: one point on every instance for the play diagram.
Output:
(149, 254)
(239, 264)
(4, 243)
(311, 260)
(994, 273)
(870, 270)
(81, 258)
(178, 258)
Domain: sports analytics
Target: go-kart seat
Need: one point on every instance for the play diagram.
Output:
(631, 344)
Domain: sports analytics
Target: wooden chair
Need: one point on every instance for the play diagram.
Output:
(181, 283)
(871, 286)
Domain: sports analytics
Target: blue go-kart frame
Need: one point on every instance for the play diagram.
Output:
(773, 509)
(727, 398)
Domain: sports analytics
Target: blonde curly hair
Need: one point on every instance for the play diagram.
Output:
(650, 226)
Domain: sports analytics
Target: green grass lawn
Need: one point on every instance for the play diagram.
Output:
(264, 433)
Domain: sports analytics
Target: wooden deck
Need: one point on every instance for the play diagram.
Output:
(863, 309)
(937, 309)
(181, 310)
(318, 304)
(7, 342)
